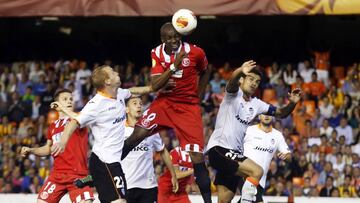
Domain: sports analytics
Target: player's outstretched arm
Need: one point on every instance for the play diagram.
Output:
(38, 151)
(141, 90)
(58, 107)
(204, 80)
(165, 156)
(59, 147)
(233, 84)
(159, 81)
(294, 98)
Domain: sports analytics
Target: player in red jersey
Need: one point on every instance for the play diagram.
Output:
(183, 169)
(71, 164)
(181, 70)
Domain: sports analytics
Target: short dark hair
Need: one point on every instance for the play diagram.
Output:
(60, 91)
(256, 70)
(134, 96)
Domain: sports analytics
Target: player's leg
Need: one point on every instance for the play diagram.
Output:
(51, 191)
(109, 179)
(135, 138)
(154, 117)
(201, 174)
(225, 162)
(225, 195)
(253, 173)
(188, 127)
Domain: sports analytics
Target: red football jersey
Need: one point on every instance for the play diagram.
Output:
(182, 160)
(74, 159)
(186, 78)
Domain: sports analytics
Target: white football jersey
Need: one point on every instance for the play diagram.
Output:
(260, 147)
(105, 116)
(138, 164)
(234, 117)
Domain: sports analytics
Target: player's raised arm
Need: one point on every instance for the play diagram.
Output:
(141, 90)
(59, 147)
(38, 151)
(58, 107)
(294, 98)
(233, 84)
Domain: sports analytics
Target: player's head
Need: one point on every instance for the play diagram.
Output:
(105, 76)
(265, 119)
(170, 37)
(65, 98)
(134, 106)
(251, 81)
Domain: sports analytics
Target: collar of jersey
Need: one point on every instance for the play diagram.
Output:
(176, 52)
(104, 94)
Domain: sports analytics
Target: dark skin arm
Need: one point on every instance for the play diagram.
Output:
(204, 80)
(159, 81)
(294, 98)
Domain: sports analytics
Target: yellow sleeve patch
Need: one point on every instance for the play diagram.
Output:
(153, 61)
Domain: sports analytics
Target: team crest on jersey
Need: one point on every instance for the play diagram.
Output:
(272, 141)
(185, 62)
(44, 195)
(251, 110)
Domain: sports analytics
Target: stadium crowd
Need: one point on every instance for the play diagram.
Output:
(323, 131)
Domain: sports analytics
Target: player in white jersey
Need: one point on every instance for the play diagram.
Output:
(225, 147)
(261, 142)
(105, 115)
(138, 164)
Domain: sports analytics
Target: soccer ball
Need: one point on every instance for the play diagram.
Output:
(184, 21)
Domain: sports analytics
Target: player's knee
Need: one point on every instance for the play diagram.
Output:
(257, 172)
(225, 198)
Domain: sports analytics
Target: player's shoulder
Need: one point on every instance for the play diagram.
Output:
(277, 133)
(193, 48)
(175, 151)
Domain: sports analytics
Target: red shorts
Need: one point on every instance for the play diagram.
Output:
(185, 119)
(173, 198)
(58, 184)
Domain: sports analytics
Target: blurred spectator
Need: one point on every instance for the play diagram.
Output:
(306, 70)
(326, 107)
(351, 192)
(274, 74)
(225, 71)
(216, 83)
(329, 185)
(281, 89)
(346, 130)
(315, 87)
(289, 74)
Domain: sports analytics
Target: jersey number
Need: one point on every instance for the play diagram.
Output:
(232, 155)
(51, 188)
(119, 183)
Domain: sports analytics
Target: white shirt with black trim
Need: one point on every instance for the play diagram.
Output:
(138, 165)
(105, 116)
(260, 146)
(234, 117)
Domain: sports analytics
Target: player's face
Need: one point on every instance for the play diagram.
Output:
(66, 100)
(114, 79)
(250, 83)
(172, 39)
(264, 119)
(133, 108)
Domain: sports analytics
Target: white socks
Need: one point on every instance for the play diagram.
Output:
(248, 191)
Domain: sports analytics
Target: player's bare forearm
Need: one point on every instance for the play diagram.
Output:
(183, 174)
(58, 107)
(41, 151)
(204, 80)
(233, 84)
(68, 131)
(285, 111)
(159, 81)
(165, 156)
(141, 90)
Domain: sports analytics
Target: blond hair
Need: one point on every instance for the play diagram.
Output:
(98, 77)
